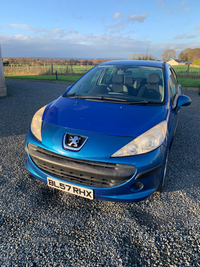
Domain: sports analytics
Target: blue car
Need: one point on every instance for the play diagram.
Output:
(109, 135)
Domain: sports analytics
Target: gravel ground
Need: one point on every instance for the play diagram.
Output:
(40, 226)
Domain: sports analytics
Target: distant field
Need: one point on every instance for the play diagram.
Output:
(27, 69)
(44, 77)
(183, 70)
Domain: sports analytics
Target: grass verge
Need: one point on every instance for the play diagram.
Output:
(189, 82)
(44, 77)
(184, 82)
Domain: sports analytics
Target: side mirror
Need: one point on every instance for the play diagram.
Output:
(183, 100)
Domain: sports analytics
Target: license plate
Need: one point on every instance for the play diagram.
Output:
(75, 190)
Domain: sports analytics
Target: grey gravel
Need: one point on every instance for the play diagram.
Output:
(40, 226)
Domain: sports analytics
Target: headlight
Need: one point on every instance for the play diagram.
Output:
(36, 123)
(144, 143)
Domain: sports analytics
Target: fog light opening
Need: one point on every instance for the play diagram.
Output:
(137, 186)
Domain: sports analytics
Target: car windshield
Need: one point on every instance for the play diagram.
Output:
(121, 83)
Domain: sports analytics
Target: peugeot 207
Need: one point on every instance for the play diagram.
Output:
(109, 135)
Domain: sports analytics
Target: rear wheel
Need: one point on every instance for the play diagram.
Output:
(162, 183)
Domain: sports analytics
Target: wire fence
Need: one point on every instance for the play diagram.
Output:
(46, 69)
(189, 71)
(192, 71)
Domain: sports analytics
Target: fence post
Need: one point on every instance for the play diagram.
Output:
(56, 75)
(51, 68)
(3, 91)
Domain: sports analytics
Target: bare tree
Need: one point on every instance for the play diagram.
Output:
(85, 62)
(150, 57)
(71, 63)
(132, 56)
(168, 54)
(142, 56)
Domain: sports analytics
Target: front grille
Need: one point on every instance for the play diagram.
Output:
(78, 171)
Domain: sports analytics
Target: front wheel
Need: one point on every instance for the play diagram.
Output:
(162, 183)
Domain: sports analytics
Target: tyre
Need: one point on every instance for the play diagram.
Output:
(162, 183)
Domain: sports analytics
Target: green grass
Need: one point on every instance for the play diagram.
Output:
(44, 77)
(76, 69)
(184, 82)
(183, 69)
(189, 82)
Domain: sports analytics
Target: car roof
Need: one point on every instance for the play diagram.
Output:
(147, 63)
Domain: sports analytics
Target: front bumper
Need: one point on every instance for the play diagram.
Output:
(146, 174)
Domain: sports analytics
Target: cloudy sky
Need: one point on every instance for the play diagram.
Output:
(97, 28)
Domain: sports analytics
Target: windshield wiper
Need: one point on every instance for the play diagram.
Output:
(144, 102)
(70, 95)
(101, 98)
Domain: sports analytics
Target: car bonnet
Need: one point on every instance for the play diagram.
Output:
(103, 117)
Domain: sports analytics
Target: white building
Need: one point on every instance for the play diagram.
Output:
(176, 62)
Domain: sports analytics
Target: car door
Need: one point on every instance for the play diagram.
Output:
(174, 94)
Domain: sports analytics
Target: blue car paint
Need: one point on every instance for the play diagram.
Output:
(118, 193)
(113, 125)
(101, 152)
(102, 117)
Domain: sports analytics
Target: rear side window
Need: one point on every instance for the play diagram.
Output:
(175, 80)
(173, 84)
